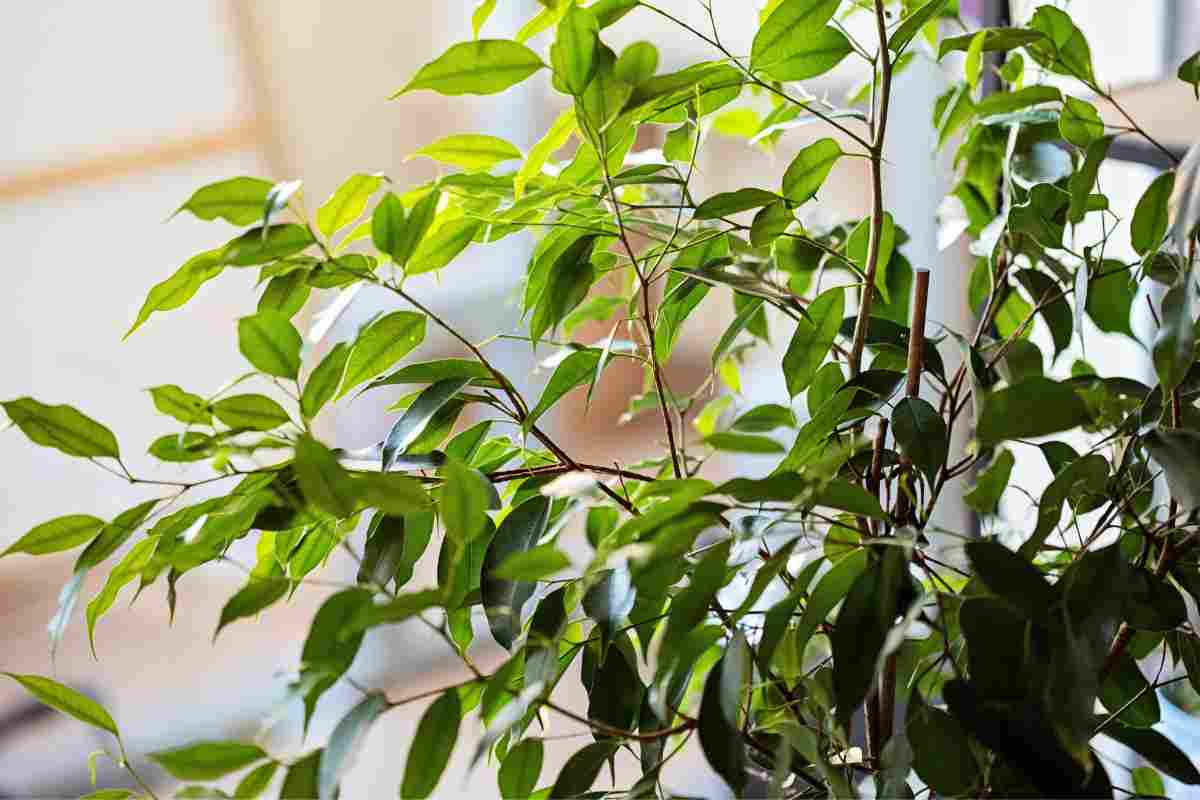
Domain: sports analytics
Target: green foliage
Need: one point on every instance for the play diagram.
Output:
(749, 617)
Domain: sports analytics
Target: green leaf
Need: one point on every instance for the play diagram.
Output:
(1007, 102)
(942, 754)
(720, 732)
(537, 564)
(683, 294)
(1178, 453)
(984, 496)
(1084, 179)
(327, 651)
(521, 768)
(1175, 341)
(481, 14)
(347, 203)
(61, 533)
(387, 224)
(384, 342)
(472, 152)
(322, 480)
(286, 294)
(996, 39)
(182, 286)
(809, 169)
(973, 65)
(743, 443)
(270, 342)
(540, 153)
(1126, 690)
(300, 781)
(442, 246)
(582, 769)
(765, 418)
(822, 50)
(813, 339)
(464, 503)
(846, 496)
(1189, 72)
(789, 29)
(1151, 216)
(729, 203)
(1011, 577)
(1147, 782)
(415, 419)
(62, 427)
(485, 66)
(913, 24)
(206, 761)
(1034, 407)
(1156, 749)
(1064, 49)
(256, 781)
(323, 382)
(252, 598)
(504, 598)
(610, 599)
(575, 370)
(67, 700)
(236, 200)
(637, 63)
(1080, 123)
(573, 54)
(255, 412)
(127, 569)
(260, 245)
(436, 735)
(345, 742)
(570, 278)
(415, 227)
(921, 433)
(188, 408)
(867, 614)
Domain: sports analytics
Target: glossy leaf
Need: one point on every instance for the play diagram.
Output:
(348, 203)
(503, 598)
(62, 427)
(436, 735)
(418, 416)
(472, 152)
(67, 700)
(520, 769)
(921, 434)
(236, 200)
(206, 761)
(270, 343)
(345, 742)
(582, 769)
(384, 342)
(61, 533)
(484, 66)
(809, 169)
(814, 336)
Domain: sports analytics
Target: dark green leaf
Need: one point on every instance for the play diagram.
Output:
(942, 754)
(743, 443)
(729, 203)
(418, 416)
(322, 384)
(485, 66)
(1011, 577)
(575, 370)
(921, 434)
(1034, 407)
(521, 768)
(300, 781)
(913, 23)
(62, 427)
(582, 769)
(1178, 453)
(1080, 123)
(431, 746)
(322, 480)
(1151, 216)
(1007, 102)
(1127, 691)
(984, 496)
(682, 297)
(503, 598)
(1157, 749)
(571, 275)
(1084, 179)
(1189, 72)
(1175, 342)
(255, 247)
(765, 418)
(720, 736)
(252, 598)
(206, 761)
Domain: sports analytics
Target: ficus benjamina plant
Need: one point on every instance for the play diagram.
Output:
(807, 629)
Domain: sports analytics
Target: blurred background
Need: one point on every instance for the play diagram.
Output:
(119, 110)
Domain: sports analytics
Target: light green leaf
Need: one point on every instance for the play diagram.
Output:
(822, 50)
(347, 203)
(258, 245)
(206, 761)
(464, 501)
(573, 54)
(322, 480)
(62, 427)
(256, 781)
(743, 443)
(254, 412)
(270, 342)
(442, 246)
(182, 286)
(913, 24)
(387, 224)
(789, 29)
(130, 567)
(384, 342)
(637, 63)
(434, 741)
(521, 768)
(61, 533)
(540, 153)
(1080, 123)
(809, 169)
(67, 700)
(415, 227)
(575, 370)
(323, 383)
(728, 203)
(812, 340)
(236, 200)
(485, 66)
(473, 152)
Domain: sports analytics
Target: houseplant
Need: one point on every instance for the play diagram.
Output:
(996, 648)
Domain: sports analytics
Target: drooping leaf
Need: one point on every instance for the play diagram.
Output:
(436, 735)
(575, 370)
(521, 768)
(913, 24)
(465, 499)
(570, 277)
(182, 286)
(345, 742)
(720, 737)
(484, 66)
(582, 769)
(322, 383)
(252, 598)
(503, 598)
(442, 246)
(942, 756)
(1175, 341)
